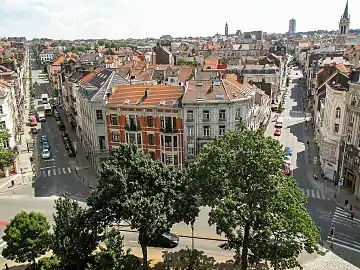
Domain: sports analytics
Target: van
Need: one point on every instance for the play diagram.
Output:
(279, 123)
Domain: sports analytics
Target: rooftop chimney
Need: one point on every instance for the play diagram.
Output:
(147, 91)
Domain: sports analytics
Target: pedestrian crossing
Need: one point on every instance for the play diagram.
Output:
(312, 193)
(2, 246)
(53, 171)
(342, 223)
(296, 115)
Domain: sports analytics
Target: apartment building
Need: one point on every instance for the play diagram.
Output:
(210, 107)
(352, 136)
(149, 116)
(8, 118)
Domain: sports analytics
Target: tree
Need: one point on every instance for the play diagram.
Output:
(113, 255)
(180, 61)
(239, 176)
(76, 234)
(27, 237)
(7, 156)
(54, 44)
(147, 194)
(101, 42)
(56, 92)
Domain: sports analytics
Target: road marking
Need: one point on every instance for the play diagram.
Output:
(64, 171)
(69, 169)
(49, 172)
(44, 173)
(59, 170)
(318, 194)
(48, 160)
(350, 246)
(54, 171)
(44, 168)
(313, 193)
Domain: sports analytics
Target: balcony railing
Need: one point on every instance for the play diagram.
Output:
(222, 119)
(168, 130)
(133, 127)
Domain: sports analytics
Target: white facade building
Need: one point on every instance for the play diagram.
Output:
(7, 115)
(212, 107)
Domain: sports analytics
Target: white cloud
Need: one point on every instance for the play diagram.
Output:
(71, 19)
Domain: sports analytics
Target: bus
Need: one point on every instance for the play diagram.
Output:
(48, 109)
(45, 98)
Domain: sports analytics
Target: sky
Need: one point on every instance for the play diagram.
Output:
(118, 19)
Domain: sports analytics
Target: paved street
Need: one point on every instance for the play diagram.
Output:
(323, 210)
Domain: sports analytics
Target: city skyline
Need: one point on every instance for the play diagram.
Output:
(120, 19)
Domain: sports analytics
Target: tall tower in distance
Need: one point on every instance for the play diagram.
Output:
(344, 23)
(292, 27)
(226, 29)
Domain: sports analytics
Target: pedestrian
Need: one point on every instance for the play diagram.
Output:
(6, 266)
(352, 213)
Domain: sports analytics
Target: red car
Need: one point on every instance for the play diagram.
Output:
(277, 132)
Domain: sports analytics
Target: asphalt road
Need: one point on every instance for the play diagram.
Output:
(57, 174)
(323, 211)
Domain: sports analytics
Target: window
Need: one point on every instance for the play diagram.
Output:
(352, 118)
(349, 137)
(353, 101)
(168, 159)
(150, 121)
(102, 142)
(191, 150)
(162, 122)
(113, 119)
(6, 144)
(336, 128)
(206, 115)
(175, 141)
(130, 138)
(222, 114)
(338, 112)
(176, 160)
(151, 139)
(2, 125)
(152, 155)
(190, 115)
(206, 130)
(1, 110)
(138, 138)
(191, 130)
(358, 142)
(238, 114)
(115, 136)
(221, 130)
(168, 141)
(99, 115)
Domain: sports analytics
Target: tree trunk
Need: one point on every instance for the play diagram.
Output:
(143, 239)
(245, 247)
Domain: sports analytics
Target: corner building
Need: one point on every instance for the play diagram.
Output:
(149, 116)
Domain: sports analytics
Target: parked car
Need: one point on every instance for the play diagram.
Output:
(279, 123)
(277, 132)
(46, 145)
(71, 153)
(44, 138)
(57, 117)
(288, 151)
(61, 125)
(166, 240)
(45, 154)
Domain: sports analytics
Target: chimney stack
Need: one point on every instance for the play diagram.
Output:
(147, 91)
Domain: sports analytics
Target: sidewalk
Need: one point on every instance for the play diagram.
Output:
(24, 168)
(327, 187)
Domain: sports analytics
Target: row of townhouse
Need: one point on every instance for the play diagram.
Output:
(333, 88)
(14, 67)
(169, 122)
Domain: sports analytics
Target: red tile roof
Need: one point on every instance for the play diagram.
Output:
(159, 95)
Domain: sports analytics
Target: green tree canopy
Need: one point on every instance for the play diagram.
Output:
(101, 42)
(180, 61)
(260, 210)
(147, 194)
(27, 237)
(7, 156)
(113, 256)
(54, 44)
(76, 234)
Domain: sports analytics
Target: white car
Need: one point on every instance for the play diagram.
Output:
(287, 160)
(46, 154)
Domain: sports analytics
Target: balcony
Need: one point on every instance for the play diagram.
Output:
(190, 120)
(222, 119)
(133, 127)
(206, 119)
(168, 130)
